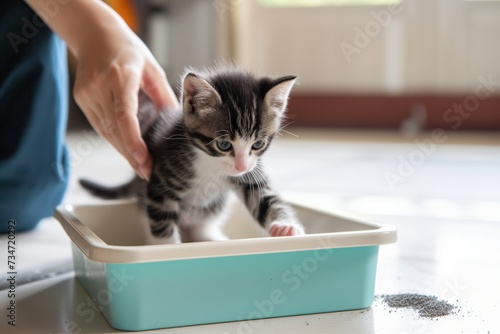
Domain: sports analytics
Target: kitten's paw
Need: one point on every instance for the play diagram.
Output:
(280, 229)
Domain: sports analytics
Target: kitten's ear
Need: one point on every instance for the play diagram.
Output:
(198, 95)
(277, 97)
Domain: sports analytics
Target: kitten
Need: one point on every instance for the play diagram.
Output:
(228, 120)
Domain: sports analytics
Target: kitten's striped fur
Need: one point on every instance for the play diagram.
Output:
(194, 169)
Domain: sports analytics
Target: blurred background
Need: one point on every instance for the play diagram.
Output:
(397, 109)
(387, 64)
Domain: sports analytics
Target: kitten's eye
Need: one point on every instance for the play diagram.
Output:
(258, 145)
(224, 145)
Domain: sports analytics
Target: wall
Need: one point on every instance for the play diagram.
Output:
(423, 47)
(197, 35)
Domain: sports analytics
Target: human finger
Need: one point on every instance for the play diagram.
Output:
(155, 85)
(125, 105)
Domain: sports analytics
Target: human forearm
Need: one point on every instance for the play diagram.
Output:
(78, 22)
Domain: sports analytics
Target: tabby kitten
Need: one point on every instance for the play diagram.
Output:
(228, 120)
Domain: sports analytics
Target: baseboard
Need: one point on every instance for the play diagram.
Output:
(454, 112)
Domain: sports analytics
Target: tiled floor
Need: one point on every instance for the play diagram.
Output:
(444, 200)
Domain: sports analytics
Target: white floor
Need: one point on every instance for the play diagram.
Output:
(444, 200)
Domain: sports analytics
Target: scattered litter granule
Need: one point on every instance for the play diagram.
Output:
(426, 306)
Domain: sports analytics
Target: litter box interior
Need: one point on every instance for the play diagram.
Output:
(123, 224)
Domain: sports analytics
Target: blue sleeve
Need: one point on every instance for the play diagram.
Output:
(33, 112)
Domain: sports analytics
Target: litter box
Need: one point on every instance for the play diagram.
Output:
(250, 277)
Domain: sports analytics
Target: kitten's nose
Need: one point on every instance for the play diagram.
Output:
(240, 163)
(240, 166)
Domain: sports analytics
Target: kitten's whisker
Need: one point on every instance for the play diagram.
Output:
(288, 132)
(184, 155)
(177, 137)
(198, 179)
(230, 122)
(223, 131)
(261, 177)
(216, 138)
(213, 179)
(256, 181)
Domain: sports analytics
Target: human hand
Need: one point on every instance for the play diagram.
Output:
(111, 70)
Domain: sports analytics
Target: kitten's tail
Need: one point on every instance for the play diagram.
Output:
(121, 191)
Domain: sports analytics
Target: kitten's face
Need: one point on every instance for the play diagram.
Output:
(233, 117)
(239, 155)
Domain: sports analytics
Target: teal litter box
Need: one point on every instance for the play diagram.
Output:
(249, 277)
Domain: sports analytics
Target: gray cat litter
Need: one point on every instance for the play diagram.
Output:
(426, 306)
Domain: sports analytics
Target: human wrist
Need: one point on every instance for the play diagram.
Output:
(81, 23)
(102, 28)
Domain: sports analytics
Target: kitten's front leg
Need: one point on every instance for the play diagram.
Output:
(163, 214)
(279, 219)
(163, 226)
(270, 211)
